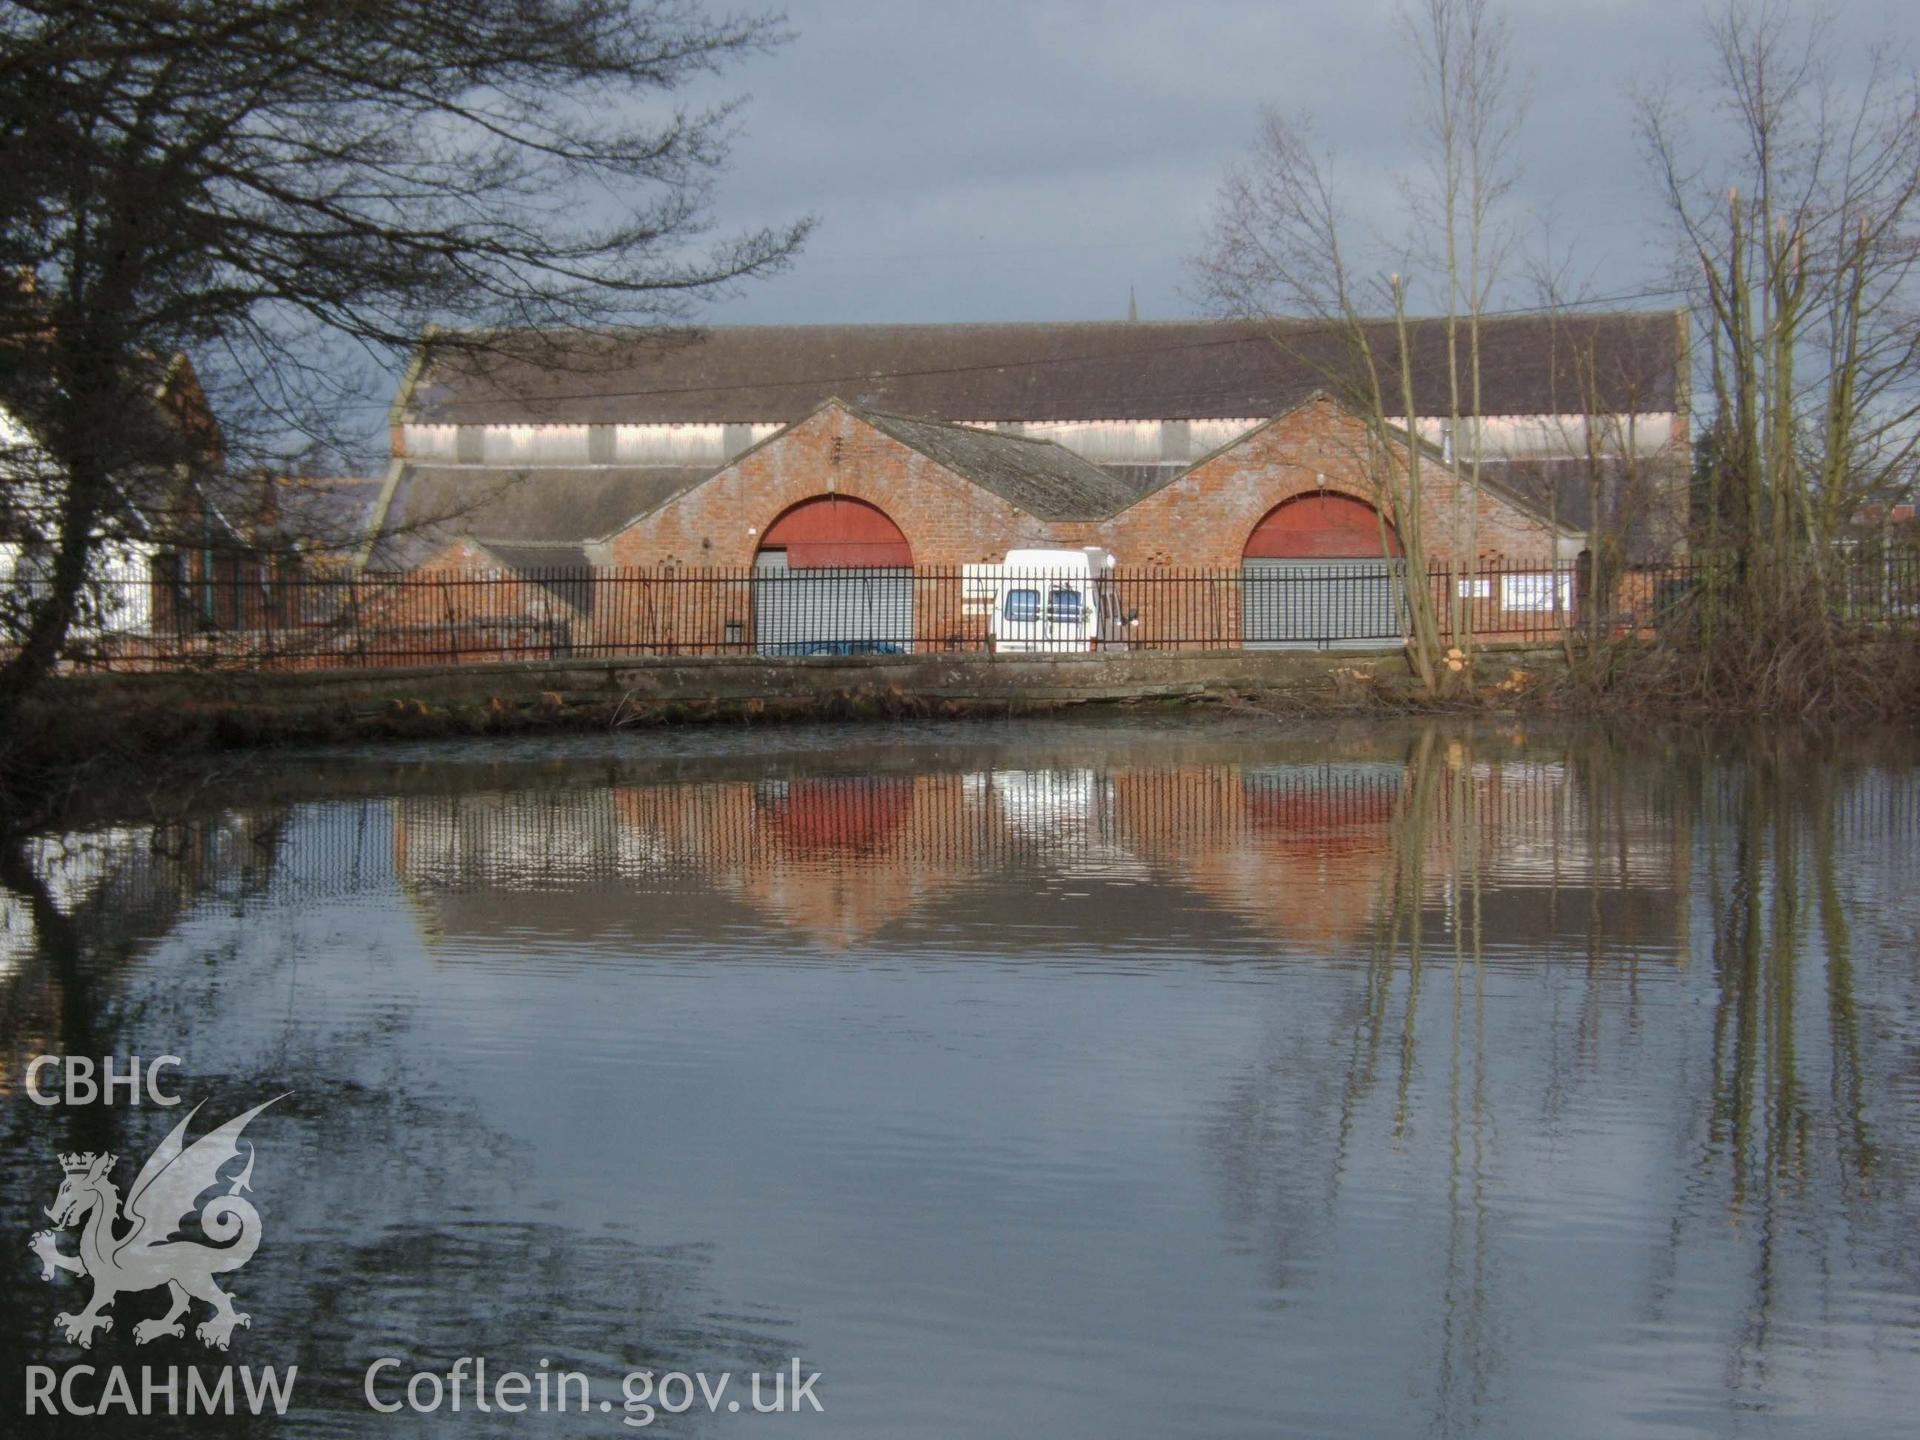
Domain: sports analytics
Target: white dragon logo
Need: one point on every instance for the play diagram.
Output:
(165, 1194)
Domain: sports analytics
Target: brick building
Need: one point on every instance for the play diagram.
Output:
(888, 450)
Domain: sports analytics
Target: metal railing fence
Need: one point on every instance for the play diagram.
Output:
(315, 621)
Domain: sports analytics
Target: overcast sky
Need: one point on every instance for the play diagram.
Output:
(976, 160)
(988, 161)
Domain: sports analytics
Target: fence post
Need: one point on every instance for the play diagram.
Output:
(711, 610)
(1584, 590)
(353, 611)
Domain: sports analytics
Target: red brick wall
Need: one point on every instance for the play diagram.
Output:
(463, 605)
(1204, 517)
(947, 521)
(1200, 521)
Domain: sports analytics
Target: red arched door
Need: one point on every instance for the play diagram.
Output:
(1321, 527)
(1313, 574)
(833, 532)
(833, 576)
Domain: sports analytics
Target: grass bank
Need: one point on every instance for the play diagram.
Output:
(83, 733)
(89, 731)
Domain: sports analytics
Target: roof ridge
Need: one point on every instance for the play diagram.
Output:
(961, 426)
(1171, 322)
(1021, 371)
(1048, 443)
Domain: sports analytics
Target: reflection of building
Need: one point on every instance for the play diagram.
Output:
(1304, 854)
(1301, 852)
(837, 858)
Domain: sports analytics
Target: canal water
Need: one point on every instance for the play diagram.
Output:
(1105, 1079)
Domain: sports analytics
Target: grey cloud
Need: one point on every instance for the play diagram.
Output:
(1034, 161)
(1007, 161)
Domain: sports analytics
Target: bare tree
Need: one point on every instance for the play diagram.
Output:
(1285, 252)
(1470, 108)
(1796, 219)
(286, 188)
(1277, 254)
(1625, 486)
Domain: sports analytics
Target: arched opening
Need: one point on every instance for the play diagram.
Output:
(834, 532)
(860, 817)
(1313, 575)
(1327, 810)
(833, 576)
(1322, 526)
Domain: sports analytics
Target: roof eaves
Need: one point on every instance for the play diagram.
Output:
(382, 508)
(631, 520)
(401, 411)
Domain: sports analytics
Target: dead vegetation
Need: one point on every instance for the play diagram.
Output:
(1798, 669)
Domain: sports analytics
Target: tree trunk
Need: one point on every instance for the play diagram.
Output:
(53, 612)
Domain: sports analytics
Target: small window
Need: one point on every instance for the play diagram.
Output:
(1023, 605)
(979, 588)
(1536, 592)
(1066, 607)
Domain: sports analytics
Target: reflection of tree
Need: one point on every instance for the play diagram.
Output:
(1794, 1162)
(1293, 1123)
(396, 1221)
(1848, 1092)
(1278, 1143)
(1782, 1152)
(415, 1242)
(93, 905)
(1776, 1157)
(396, 1226)
(1441, 811)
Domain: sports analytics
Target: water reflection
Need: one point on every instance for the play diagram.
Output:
(1304, 855)
(1435, 1079)
(399, 1223)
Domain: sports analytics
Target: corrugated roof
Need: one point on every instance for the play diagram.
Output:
(547, 506)
(1530, 365)
(542, 518)
(1044, 479)
(1640, 506)
(563, 571)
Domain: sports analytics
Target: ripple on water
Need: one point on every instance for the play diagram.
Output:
(1124, 1079)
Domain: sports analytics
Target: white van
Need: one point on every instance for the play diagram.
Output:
(1047, 600)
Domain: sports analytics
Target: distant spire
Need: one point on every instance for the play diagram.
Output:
(1133, 306)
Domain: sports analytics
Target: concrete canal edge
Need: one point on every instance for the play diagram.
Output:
(224, 708)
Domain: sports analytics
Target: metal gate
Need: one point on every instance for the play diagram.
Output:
(1323, 604)
(832, 611)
